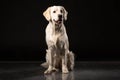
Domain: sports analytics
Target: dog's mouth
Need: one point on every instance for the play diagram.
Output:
(58, 21)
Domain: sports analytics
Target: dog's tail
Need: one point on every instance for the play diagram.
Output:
(45, 65)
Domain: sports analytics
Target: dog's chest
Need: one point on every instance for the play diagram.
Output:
(58, 39)
(56, 36)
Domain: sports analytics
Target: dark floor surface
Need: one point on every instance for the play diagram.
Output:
(84, 70)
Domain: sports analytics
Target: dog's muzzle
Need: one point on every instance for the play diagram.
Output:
(59, 21)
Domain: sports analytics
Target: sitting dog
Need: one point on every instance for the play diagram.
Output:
(58, 55)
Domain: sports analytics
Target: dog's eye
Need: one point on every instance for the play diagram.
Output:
(61, 11)
(54, 11)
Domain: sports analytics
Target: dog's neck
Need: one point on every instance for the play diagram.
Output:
(56, 27)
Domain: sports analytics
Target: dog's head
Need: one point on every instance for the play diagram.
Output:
(55, 14)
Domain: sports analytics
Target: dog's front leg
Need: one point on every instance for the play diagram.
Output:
(50, 61)
(64, 62)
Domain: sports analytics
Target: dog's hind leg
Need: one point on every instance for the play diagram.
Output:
(71, 60)
(46, 64)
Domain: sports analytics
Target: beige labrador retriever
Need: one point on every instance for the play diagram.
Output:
(58, 55)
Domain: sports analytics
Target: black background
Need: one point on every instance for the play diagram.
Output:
(92, 28)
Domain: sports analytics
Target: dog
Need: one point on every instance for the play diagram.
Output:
(58, 55)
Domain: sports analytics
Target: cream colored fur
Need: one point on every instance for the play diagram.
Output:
(58, 55)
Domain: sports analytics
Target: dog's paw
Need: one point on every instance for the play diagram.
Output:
(48, 72)
(55, 70)
(71, 67)
(65, 70)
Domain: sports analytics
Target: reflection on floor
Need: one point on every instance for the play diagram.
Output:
(56, 76)
(83, 71)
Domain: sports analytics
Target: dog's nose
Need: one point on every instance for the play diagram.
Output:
(60, 16)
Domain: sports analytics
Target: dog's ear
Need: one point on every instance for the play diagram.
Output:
(46, 13)
(65, 13)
